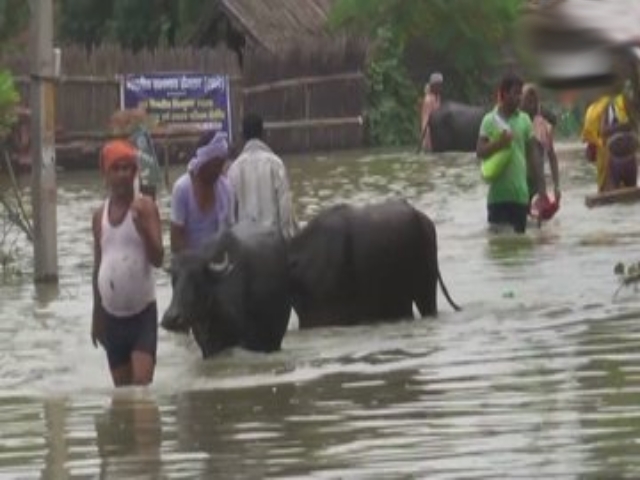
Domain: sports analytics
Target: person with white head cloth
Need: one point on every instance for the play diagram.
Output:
(431, 102)
(202, 202)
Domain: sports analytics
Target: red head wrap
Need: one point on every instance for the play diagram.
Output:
(117, 151)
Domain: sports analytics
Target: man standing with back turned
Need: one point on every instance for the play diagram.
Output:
(259, 180)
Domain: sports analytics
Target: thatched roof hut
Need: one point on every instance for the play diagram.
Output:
(271, 25)
(278, 24)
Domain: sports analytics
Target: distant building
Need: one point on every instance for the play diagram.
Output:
(272, 25)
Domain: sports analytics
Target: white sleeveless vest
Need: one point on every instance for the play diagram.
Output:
(125, 279)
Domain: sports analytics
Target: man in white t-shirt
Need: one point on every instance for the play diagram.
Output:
(259, 180)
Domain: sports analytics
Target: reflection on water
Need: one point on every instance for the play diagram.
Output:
(536, 378)
(129, 436)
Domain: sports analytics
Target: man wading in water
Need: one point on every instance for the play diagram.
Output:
(431, 102)
(507, 127)
(202, 201)
(127, 244)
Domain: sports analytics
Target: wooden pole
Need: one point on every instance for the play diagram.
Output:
(43, 171)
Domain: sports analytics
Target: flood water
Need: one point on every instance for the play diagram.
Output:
(538, 377)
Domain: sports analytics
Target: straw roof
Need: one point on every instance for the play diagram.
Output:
(274, 24)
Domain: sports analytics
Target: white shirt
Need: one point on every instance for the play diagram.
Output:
(259, 180)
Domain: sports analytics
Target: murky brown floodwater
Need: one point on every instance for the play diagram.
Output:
(539, 377)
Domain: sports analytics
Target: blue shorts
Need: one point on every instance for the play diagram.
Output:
(125, 335)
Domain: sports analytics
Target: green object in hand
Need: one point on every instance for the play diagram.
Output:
(493, 166)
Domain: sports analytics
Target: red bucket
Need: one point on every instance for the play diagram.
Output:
(544, 207)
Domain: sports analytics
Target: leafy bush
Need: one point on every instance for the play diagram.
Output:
(466, 38)
(392, 97)
(12, 219)
(9, 99)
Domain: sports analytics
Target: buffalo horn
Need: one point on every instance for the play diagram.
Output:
(221, 267)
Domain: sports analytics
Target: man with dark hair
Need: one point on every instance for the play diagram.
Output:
(259, 180)
(506, 127)
(127, 234)
(252, 127)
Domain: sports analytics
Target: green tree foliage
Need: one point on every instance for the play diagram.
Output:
(83, 21)
(14, 18)
(467, 34)
(143, 23)
(9, 99)
(470, 29)
(133, 24)
(392, 97)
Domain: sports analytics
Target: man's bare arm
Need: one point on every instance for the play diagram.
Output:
(147, 221)
(555, 167)
(98, 315)
(534, 160)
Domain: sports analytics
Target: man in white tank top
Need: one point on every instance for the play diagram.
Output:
(127, 245)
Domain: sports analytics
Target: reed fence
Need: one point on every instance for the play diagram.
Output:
(312, 97)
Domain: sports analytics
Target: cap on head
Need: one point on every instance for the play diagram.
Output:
(529, 88)
(436, 77)
(216, 149)
(116, 151)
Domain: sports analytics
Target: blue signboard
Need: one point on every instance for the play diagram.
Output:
(181, 99)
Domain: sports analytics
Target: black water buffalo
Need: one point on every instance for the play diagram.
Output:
(233, 291)
(454, 127)
(352, 265)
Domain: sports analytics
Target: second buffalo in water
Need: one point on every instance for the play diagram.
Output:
(353, 265)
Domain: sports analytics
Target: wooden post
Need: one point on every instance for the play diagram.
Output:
(43, 164)
(307, 114)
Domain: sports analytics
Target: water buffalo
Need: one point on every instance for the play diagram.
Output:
(233, 291)
(455, 126)
(352, 265)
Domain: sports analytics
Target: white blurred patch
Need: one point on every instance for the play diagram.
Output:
(608, 28)
(589, 63)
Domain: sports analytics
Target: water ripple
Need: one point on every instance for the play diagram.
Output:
(538, 377)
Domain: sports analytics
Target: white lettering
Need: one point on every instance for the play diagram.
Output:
(166, 84)
(191, 83)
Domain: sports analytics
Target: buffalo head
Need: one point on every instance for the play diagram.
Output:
(206, 298)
